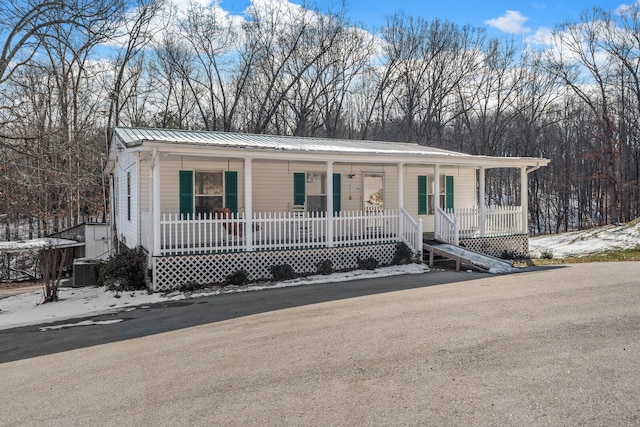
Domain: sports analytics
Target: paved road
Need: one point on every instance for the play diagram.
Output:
(30, 341)
(548, 347)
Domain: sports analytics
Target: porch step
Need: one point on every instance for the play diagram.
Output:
(468, 258)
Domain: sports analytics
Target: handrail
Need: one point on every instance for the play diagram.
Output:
(448, 228)
(410, 231)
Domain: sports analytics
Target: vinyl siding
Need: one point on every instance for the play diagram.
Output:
(273, 183)
(127, 228)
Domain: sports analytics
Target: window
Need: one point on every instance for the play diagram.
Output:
(208, 191)
(128, 196)
(426, 188)
(316, 190)
(373, 191)
(310, 191)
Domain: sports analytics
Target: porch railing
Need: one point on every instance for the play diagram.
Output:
(209, 233)
(472, 223)
(447, 229)
(410, 230)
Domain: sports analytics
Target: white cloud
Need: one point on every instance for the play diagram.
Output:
(626, 8)
(542, 36)
(511, 22)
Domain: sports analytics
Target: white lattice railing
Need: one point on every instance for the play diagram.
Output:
(211, 233)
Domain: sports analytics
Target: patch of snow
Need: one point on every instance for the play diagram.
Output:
(586, 242)
(35, 244)
(27, 308)
(82, 323)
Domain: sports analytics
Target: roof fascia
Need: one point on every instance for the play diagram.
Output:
(347, 157)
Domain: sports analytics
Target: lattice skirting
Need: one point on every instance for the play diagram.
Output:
(170, 272)
(516, 245)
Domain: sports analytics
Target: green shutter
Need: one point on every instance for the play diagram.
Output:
(449, 192)
(231, 190)
(422, 195)
(186, 193)
(299, 184)
(336, 193)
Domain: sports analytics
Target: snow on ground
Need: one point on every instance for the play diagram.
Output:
(586, 242)
(35, 244)
(27, 309)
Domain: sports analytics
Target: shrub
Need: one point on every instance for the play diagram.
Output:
(237, 278)
(189, 286)
(402, 255)
(368, 264)
(126, 271)
(546, 254)
(98, 273)
(325, 267)
(509, 255)
(282, 272)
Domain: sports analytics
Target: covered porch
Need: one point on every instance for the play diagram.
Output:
(298, 227)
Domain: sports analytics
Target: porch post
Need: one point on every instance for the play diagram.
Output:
(436, 199)
(248, 205)
(155, 217)
(524, 199)
(481, 201)
(329, 191)
(400, 198)
(400, 185)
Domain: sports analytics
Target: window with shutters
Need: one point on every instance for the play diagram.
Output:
(316, 190)
(208, 192)
(446, 193)
(310, 191)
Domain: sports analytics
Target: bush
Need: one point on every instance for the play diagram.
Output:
(402, 255)
(368, 264)
(509, 255)
(98, 273)
(237, 278)
(282, 272)
(190, 286)
(325, 267)
(126, 271)
(546, 254)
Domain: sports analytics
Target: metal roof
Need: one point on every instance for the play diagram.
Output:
(134, 137)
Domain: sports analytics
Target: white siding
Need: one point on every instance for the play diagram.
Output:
(127, 226)
(273, 183)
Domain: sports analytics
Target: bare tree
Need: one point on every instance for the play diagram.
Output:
(426, 61)
(137, 28)
(29, 24)
(578, 61)
(284, 42)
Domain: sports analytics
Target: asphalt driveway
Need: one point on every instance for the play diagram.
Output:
(548, 347)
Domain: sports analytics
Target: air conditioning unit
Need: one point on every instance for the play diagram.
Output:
(84, 272)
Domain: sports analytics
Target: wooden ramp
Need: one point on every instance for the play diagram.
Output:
(468, 258)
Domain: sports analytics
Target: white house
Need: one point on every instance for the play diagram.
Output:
(205, 204)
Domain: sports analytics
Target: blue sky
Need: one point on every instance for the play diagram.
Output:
(519, 17)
